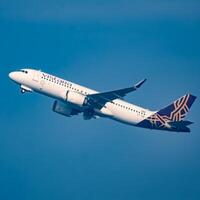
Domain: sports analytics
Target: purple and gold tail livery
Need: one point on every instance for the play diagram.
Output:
(171, 117)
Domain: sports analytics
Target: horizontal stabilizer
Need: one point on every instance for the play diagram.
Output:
(180, 123)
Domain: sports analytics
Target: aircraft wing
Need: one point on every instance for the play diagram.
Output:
(102, 98)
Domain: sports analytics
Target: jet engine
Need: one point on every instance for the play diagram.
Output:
(62, 108)
(75, 98)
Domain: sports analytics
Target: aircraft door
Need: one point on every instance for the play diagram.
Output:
(36, 76)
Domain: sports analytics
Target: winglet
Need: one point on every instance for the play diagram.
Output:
(139, 84)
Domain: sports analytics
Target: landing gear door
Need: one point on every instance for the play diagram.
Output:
(36, 76)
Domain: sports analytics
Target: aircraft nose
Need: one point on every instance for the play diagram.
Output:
(11, 75)
(15, 76)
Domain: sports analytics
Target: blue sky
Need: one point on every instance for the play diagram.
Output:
(103, 45)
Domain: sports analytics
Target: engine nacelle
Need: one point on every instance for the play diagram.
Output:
(75, 98)
(62, 108)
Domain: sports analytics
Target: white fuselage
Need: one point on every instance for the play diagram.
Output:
(55, 87)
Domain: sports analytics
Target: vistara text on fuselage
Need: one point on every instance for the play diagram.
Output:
(72, 99)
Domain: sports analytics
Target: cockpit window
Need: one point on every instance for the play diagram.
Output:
(24, 71)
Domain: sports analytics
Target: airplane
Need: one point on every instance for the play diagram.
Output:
(70, 99)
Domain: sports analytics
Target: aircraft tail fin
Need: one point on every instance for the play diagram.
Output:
(178, 110)
(171, 117)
